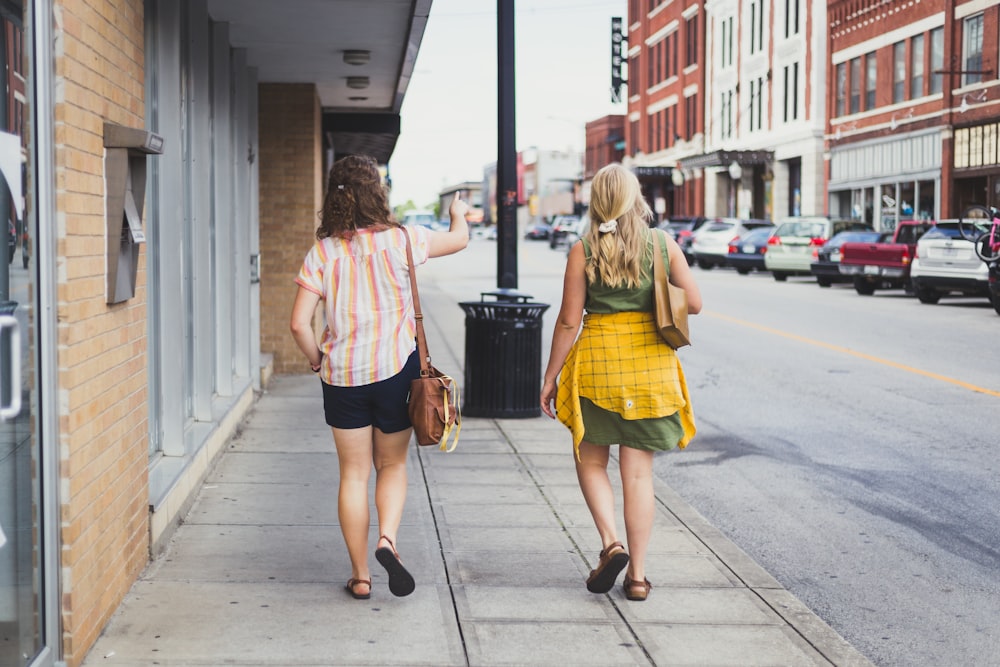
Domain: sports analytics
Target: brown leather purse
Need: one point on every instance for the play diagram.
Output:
(669, 303)
(434, 401)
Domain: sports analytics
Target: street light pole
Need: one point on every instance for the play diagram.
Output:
(506, 150)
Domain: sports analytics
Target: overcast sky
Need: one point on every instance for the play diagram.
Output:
(449, 115)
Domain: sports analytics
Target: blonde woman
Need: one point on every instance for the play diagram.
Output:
(619, 383)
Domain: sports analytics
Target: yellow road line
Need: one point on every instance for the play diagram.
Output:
(854, 353)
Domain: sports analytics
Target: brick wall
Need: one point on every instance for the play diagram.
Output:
(102, 349)
(291, 194)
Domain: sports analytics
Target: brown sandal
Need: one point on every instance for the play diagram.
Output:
(351, 583)
(636, 590)
(401, 582)
(611, 561)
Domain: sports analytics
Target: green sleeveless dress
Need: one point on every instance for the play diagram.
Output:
(606, 427)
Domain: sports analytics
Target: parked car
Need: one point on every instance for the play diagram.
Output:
(946, 263)
(11, 240)
(710, 245)
(562, 227)
(796, 242)
(826, 266)
(577, 233)
(420, 218)
(746, 253)
(884, 264)
(538, 232)
(683, 228)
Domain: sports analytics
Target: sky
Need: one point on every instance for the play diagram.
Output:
(449, 116)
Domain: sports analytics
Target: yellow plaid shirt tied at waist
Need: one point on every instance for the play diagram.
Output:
(621, 364)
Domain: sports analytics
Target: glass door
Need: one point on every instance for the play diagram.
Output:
(26, 636)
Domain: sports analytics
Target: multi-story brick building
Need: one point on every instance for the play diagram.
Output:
(765, 111)
(666, 97)
(914, 105)
(166, 160)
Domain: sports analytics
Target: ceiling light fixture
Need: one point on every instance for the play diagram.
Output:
(357, 82)
(357, 56)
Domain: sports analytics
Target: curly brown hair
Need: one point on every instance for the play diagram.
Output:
(355, 199)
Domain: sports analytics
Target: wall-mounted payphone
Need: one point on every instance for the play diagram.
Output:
(125, 176)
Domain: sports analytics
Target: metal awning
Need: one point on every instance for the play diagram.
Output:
(726, 158)
(373, 134)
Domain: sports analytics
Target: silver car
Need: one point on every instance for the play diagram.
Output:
(946, 263)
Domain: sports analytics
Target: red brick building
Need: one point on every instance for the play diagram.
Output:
(665, 121)
(914, 105)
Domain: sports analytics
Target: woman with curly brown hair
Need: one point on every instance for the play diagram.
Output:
(619, 383)
(366, 356)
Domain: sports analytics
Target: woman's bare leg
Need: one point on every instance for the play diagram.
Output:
(592, 473)
(637, 485)
(391, 450)
(354, 452)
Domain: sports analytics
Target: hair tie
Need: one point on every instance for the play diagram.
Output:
(340, 187)
(608, 227)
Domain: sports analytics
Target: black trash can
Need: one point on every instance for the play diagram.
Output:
(503, 355)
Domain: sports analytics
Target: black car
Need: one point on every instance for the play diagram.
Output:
(826, 266)
(746, 253)
(539, 232)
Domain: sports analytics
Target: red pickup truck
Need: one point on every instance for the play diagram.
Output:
(884, 264)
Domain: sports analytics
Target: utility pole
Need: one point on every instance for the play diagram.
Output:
(506, 150)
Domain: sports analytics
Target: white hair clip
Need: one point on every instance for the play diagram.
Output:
(608, 227)
(340, 187)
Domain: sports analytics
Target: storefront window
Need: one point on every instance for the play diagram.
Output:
(907, 199)
(926, 197)
(888, 208)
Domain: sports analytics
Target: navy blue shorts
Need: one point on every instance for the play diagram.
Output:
(381, 404)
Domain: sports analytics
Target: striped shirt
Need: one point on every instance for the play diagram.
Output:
(365, 284)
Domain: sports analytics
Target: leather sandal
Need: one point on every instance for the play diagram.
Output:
(636, 591)
(611, 561)
(401, 582)
(352, 583)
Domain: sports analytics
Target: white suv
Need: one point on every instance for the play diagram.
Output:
(945, 264)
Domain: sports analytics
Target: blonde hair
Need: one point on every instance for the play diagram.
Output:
(617, 257)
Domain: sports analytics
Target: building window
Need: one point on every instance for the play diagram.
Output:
(791, 17)
(856, 85)
(757, 104)
(633, 135)
(972, 49)
(871, 79)
(726, 115)
(917, 67)
(937, 60)
(791, 92)
(899, 71)
(841, 93)
(691, 117)
(727, 42)
(756, 26)
(671, 48)
(692, 41)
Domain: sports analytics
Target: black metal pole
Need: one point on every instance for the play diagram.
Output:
(506, 150)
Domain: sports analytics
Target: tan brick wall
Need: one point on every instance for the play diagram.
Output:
(291, 194)
(102, 349)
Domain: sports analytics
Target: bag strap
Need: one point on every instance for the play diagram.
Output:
(423, 352)
(659, 275)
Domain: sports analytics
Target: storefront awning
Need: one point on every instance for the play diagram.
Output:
(373, 134)
(726, 158)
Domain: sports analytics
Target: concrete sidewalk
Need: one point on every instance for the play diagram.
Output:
(496, 534)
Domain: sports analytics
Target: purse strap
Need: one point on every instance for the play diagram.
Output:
(425, 355)
(659, 274)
